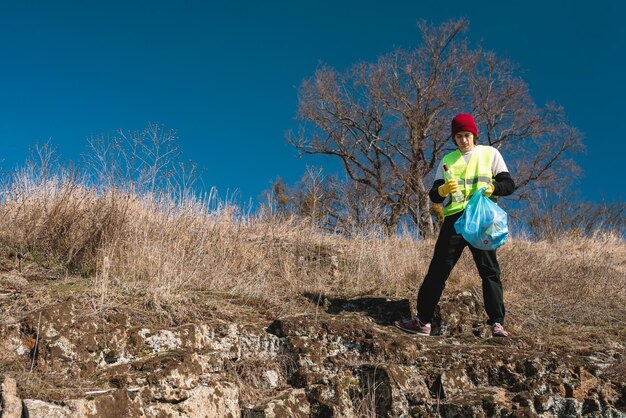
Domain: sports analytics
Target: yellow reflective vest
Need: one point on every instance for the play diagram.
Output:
(471, 176)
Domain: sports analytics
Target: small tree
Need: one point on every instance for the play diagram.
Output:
(308, 199)
(388, 121)
(146, 160)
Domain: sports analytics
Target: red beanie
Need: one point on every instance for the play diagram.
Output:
(464, 122)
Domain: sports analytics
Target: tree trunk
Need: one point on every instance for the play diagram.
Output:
(424, 221)
(391, 225)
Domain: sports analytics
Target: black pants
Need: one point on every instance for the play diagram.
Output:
(448, 250)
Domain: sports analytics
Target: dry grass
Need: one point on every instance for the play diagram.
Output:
(161, 254)
(567, 281)
(178, 259)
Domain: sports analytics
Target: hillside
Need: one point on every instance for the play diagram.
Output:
(115, 305)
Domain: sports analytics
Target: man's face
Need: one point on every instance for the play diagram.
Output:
(465, 141)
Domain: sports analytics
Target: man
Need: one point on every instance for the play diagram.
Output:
(461, 174)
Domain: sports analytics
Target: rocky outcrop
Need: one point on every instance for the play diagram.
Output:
(342, 360)
(349, 364)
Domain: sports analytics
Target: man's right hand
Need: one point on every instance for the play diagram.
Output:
(448, 187)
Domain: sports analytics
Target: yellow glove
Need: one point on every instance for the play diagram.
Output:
(489, 191)
(448, 187)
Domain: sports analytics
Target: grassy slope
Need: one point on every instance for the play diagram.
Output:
(174, 262)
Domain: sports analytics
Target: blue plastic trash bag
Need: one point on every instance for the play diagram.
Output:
(483, 224)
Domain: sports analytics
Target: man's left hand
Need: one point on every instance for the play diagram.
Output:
(489, 190)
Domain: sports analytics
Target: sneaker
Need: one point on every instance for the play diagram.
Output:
(497, 330)
(414, 326)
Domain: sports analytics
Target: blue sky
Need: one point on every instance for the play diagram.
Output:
(225, 76)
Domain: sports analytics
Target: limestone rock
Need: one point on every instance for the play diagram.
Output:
(40, 409)
(217, 399)
(292, 403)
(11, 403)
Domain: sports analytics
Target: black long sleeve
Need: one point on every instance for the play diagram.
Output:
(434, 193)
(504, 184)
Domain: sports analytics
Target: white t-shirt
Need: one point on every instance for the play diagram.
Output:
(497, 164)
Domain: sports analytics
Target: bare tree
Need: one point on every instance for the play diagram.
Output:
(354, 208)
(146, 160)
(553, 216)
(339, 206)
(308, 199)
(537, 141)
(388, 121)
(313, 195)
